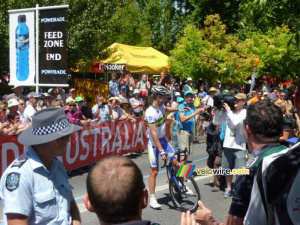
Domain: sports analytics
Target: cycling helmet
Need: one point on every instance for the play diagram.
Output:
(159, 90)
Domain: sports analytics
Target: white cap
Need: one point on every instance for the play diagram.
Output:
(189, 79)
(177, 93)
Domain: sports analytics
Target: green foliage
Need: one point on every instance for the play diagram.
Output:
(212, 54)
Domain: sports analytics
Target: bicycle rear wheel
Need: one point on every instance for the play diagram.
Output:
(181, 196)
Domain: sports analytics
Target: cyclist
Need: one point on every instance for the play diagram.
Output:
(157, 142)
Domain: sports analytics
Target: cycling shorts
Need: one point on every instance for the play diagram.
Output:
(154, 153)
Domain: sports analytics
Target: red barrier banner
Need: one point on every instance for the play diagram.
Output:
(88, 145)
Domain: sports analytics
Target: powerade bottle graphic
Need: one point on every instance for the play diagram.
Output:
(22, 49)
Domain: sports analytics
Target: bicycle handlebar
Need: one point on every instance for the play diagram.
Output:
(177, 153)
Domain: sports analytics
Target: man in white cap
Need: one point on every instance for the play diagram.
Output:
(189, 85)
(18, 89)
(31, 106)
(34, 189)
(12, 105)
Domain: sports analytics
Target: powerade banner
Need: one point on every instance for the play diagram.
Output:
(53, 47)
(22, 48)
(108, 67)
(88, 145)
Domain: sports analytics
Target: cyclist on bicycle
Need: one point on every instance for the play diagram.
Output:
(157, 142)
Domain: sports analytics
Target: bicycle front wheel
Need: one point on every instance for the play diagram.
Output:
(185, 195)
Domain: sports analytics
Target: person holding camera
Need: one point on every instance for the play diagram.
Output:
(234, 145)
(100, 110)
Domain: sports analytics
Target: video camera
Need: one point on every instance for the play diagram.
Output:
(220, 99)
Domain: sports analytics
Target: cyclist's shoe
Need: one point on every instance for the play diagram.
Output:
(189, 192)
(228, 193)
(154, 204)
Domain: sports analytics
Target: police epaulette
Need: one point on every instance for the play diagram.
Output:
(20, 161)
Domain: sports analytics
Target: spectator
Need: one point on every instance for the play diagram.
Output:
(30, 109)
(162, 80)
(125, 107)
(175, 103)
(208, 101)
(261, 142)
(121, 197)
(257, 98)
(144, 87)
(15, 126)
(286, 129)
(125, 79)
(275, 193)
(275, 94)
(123, 94)
(202, 94)
(187, 123)
(54, 93)
(285, 90)
(214, 149)
(218, 87)
(131, 86)
(18, 89)
(114, 85)
(189, 86)
(100, 110)
(74, 113)
(266, 87)
(84, 119)
(21, 108)
(266, 95)
(176, 89)
(113, 107)
(57, 103)
(34, 189)
(174, 116)
(2, 116)
(72, 96)
(282, 97)
(44, 102)
(137, 104)
(234, 146)
(61, 95)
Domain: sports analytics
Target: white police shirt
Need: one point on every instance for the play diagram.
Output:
(28, 188)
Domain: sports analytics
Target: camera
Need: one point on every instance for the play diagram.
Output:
(220, 99)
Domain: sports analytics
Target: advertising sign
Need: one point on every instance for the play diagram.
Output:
(88, 145)
(53, 47)
(108, 67)
(22, 48)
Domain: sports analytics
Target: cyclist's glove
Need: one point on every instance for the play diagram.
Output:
(162, 153)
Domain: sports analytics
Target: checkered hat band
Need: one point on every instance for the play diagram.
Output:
(51, 128)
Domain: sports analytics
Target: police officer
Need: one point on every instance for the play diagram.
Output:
(34, 189)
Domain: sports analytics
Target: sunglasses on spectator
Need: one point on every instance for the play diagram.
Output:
(72, 105)
(282, 95)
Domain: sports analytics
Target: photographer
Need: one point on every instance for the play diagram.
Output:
(100, 109)
(234, 146)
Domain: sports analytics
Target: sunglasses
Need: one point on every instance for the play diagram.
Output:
(282, 95)
(72, 105)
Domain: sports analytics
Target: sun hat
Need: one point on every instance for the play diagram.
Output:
(177, 93)
(47, 125)
(16, 86)
(136, 91)
(180, 100)
(188, 92)
(124, 101)
(113, 98)
(12, 102)
(212, 89)
(33, 95)
(79, 99)
(241, 96)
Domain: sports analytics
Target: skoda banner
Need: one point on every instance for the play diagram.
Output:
(22, 48)
(53, 47)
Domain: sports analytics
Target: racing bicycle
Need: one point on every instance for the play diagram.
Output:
(184, 191)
